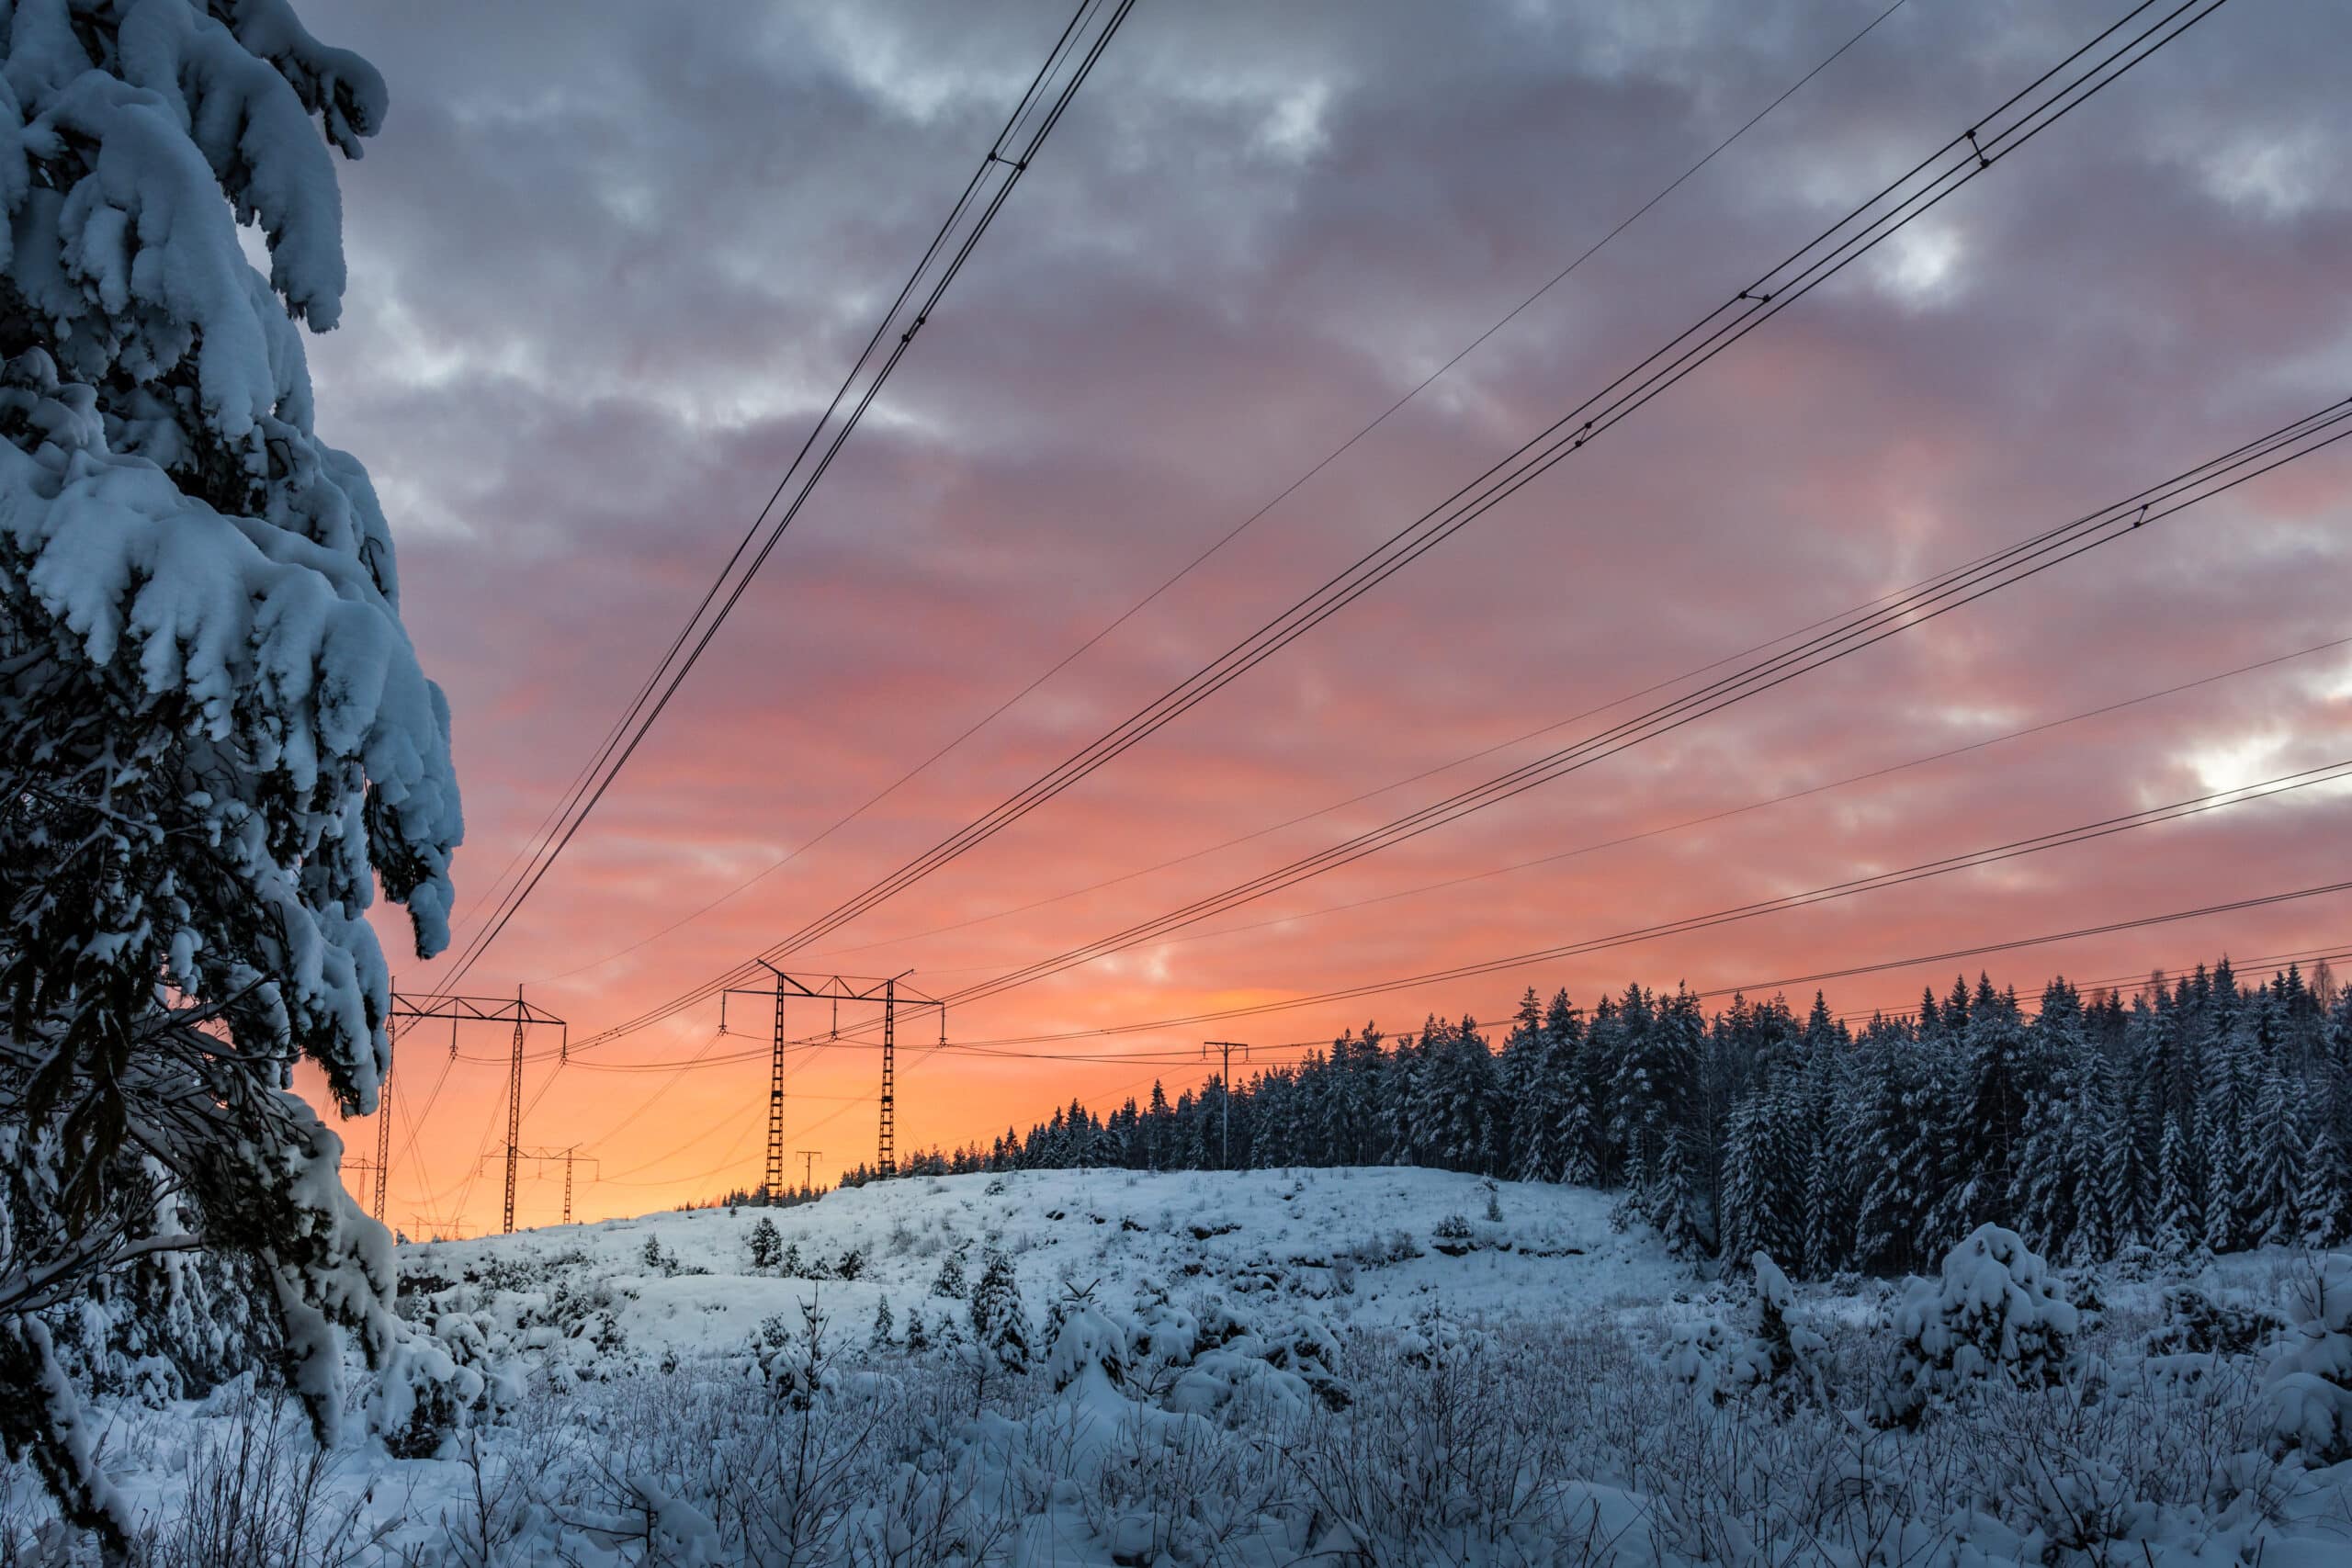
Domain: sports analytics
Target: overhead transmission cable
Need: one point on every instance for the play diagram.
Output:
(1808, 791)
(2042, 103)
(2118, 519)
(1247, 522)
(2334, 773)
(1883, 617)
(1079, 47)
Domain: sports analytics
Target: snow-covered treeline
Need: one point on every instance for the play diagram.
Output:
(2203, 1113)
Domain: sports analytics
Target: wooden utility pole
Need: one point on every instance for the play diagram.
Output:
(1225, 1100)
(809, 1158)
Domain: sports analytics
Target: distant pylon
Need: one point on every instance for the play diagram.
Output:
(459, 1010)
(889, 995)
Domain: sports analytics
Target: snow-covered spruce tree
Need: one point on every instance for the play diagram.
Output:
(1087, 1348)
(1995, 1310)
(766, 1245)
(218, 736)
(999, 1323)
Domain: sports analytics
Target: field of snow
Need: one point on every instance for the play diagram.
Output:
(1336, 1367)
(1295, 1238)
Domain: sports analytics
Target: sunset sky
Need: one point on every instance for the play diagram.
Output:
(609, 260)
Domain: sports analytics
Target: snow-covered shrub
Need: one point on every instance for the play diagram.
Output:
(422, 1395)
(1761, 1353)
(1784, 1357)
(169, 1326)
(1993, 1312)
(1378, 1251)
(2310, 1385)
(766, 1243)
(2213, 1320)
(949, 1283)
(1696, 1354)
(253, 1492)
(796, 1365)
(1087, 1348)
(884, 1335)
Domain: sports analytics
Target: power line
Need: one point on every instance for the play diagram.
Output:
(1990, 855)
(1993, 137)
(980, 1049)
(1239, 528)
(966, 1050)
(972, 1048)
(2118, 519)
(1008, 157)
(1746, 806)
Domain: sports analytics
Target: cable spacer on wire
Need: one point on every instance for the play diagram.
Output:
(1982, 161)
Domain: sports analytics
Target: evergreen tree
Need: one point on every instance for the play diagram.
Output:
(219, 741)
(999, 1323)
(2060, 1170)
(2325, 1206)
(1764, 1179)
(2180, 1220)
(881, 1338)
(1896, 1101)
(949, 1281)
(1985, 1114)
(766, 1245)
(2270, 1189)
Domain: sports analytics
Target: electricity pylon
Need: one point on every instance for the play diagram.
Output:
(835, 989)
(567, 1155)
(458, 1010)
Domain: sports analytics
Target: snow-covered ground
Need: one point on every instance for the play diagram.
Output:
(1330, 1367)
(1285, 1237)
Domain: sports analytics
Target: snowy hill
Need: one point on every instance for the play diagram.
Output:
(1347, 1245)
(1354, 1366)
